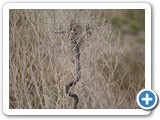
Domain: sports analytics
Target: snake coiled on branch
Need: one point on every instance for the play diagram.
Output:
(75, 32)
(78, 75)
(76, 35)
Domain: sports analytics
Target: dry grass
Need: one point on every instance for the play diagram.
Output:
(41, 62)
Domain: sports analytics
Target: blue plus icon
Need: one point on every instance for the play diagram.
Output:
(147, 99)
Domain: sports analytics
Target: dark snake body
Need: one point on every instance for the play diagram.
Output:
(75, 34)
(78, 75)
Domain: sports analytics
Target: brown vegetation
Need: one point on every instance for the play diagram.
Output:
(41, 62)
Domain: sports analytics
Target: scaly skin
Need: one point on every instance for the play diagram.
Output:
(78, 74)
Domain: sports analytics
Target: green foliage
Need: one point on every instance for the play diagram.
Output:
(119, 21)
(135, 26)
(131, 21)
(141, 41)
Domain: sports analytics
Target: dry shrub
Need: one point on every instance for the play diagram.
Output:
(41, 62)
